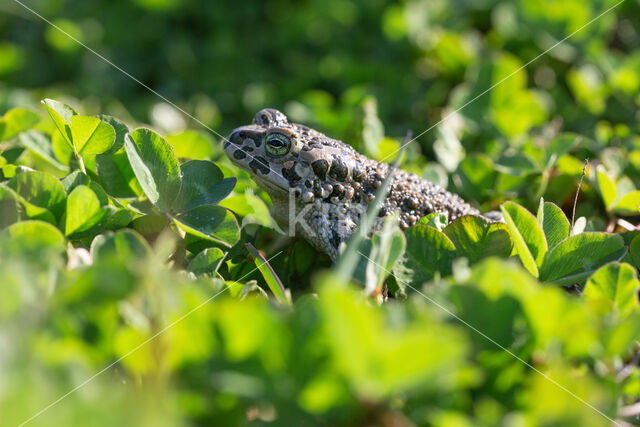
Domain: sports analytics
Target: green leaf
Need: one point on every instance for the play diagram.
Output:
(554, 223)
(378, 255)
(575, 258)
(155, 165)
(121, 130)
(517, 165)
(270, 276)
(74, 179)
(61, 115)
(116, 175)
(614, 287)
(634, 251)
(8, 207)
(629, 204)
(149, 225)
(437, 220)
(191, 145)
(477, 174)
(17, 120)
(251, 208)
(429, 252)
(40, 194)
(606, 187)
(213, 223)
(476, 238)
(206, 262)
(61, 149)
(387, 246)
(91, 135)
(559, 146)
(40, 144)
(125, 245)
(83, 210)
(34, 236)
(527, 235)
(202, 184)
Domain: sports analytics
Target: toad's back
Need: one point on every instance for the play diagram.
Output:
(324, 185)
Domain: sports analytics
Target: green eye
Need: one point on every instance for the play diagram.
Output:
(277, 144)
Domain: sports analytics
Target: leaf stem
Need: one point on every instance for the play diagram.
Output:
(81, 163)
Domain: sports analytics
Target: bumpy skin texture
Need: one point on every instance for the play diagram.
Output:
(330, 183)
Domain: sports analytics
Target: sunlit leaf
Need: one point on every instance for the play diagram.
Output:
(476, 238)
(527, 235)
(554, 223)
(191, 145)
(15, 121)
(628, 204)
(83, 210)
(270, 276)
(33, 236)
(155, 165)
(615, 287)
(575, 258)
(606, 187)
(61, 115)
(437, 220)
(91, 135)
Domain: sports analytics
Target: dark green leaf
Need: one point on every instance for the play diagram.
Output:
(428, 253)
(634, 251)
(206, 262)
(40, 193)
(116, 175)
(213, 223)
(8, 207)
(202, 184)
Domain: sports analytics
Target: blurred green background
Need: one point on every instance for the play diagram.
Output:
(339, 65)
(318, 60)
(365, 72)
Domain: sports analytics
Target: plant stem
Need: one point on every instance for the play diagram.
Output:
(81, 163)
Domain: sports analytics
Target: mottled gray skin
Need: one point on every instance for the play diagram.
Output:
(331, 183)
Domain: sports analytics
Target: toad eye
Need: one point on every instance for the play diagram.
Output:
(277, 144)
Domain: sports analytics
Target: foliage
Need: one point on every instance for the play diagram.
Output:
(141, 253)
